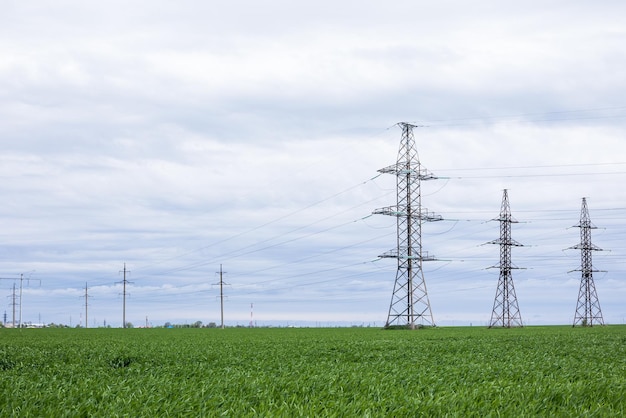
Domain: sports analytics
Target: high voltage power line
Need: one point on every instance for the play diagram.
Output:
(530, 166)
(276, 266)
(256, 228)
(241, 252)
(562, 116)
(278, 219)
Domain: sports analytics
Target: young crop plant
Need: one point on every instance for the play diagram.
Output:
(471, 371)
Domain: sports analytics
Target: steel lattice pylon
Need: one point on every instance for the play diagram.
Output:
(588, 312)
(505, 308)
(410, 306)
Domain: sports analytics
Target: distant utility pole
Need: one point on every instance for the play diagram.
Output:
(86, 306)
(21, 279)
(409, 301)
(13, 303)
(28, 279)
(588, 312)
(221, 283)
(14, 297)
(505, 309)
(124, 283)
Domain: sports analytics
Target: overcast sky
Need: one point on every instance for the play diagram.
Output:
(176, 137)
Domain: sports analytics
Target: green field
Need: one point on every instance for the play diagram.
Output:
(548, 371)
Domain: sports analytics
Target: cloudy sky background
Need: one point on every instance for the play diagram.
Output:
(178, 136)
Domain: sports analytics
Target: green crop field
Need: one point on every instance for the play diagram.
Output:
(547, 371)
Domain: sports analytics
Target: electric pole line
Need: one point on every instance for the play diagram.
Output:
(28, 279)
(505, 311)
(14, 297)
(409, 301)
(86, 296)
(588, 312)
(13, 303)
(21, 279)
(221, 283)
(124, 283)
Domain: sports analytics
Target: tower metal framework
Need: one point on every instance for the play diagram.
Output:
(505, 311)
(410, 306)
(588, 312)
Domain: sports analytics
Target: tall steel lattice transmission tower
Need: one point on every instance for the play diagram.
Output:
(410, 306)
(588, 312)
(505, 309)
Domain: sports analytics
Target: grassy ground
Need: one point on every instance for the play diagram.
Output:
(548, 371)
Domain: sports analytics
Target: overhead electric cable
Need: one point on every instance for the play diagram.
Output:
(267, 223)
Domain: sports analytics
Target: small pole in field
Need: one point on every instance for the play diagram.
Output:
(124, 282)
(86, 296)
(14, 305)
(221, 283)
